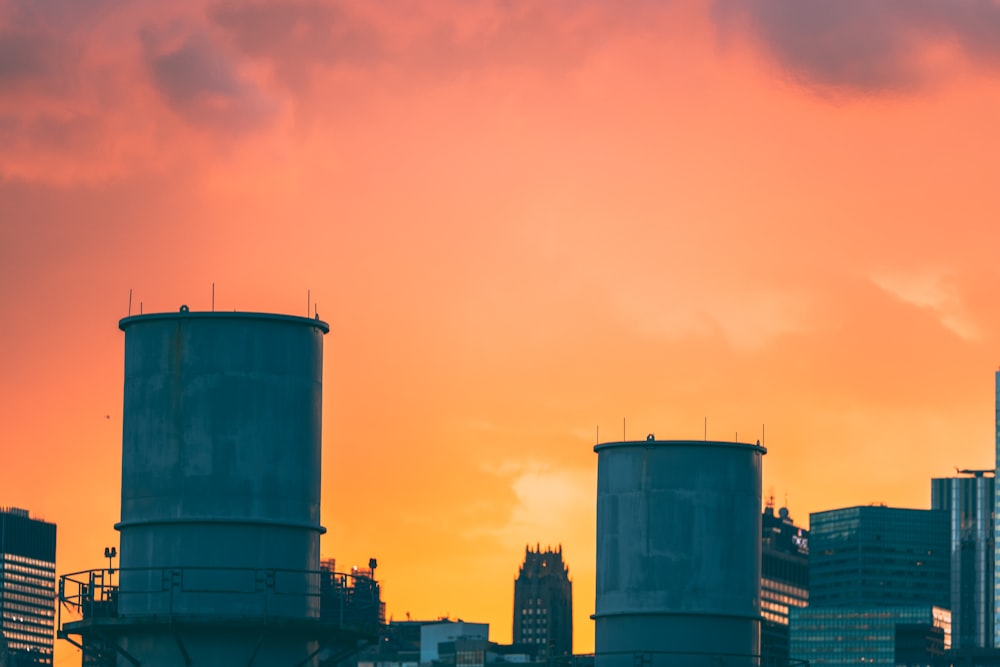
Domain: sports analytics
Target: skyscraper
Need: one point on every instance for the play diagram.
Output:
(996, 507)
(878, 588)
(878, 555)
(27, 586)
(784, 580)
(543, 603)
(969, 502)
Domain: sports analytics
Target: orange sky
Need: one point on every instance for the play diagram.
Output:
(523, 220)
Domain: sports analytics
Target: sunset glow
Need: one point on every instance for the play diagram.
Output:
(531, 226)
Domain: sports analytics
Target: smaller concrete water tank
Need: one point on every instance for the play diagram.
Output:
(678, 553)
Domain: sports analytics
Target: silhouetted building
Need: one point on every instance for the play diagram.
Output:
(27, 587)
(784, 580)
(878, 588)
(543, 603)
(969, 502)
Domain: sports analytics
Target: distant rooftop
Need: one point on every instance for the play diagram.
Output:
(20, 512)
(16, 511)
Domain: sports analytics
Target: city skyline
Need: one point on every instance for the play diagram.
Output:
(527, 225)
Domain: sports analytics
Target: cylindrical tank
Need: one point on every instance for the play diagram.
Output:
(221, 453)
(678, 553)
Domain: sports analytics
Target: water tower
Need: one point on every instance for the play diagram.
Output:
(678, 553)
(220, 514)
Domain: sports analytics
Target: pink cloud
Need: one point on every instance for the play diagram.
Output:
(867, 45)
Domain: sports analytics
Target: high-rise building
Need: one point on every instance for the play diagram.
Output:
(543, 603)
(969, 502)
(879, 588)
(996, 507)
(27, 586)
(879, 556)
(784, 580)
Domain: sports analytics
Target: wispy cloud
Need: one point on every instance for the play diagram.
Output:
(933, 291)
(551, 502)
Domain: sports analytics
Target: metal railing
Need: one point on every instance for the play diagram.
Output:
(115, 594)
(674, 659)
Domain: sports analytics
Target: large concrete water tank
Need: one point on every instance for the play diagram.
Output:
(678, 553)
(220, 515)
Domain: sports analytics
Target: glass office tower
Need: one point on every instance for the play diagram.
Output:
(27, 586)
(996, 508)
(879, 588)
(969, 502)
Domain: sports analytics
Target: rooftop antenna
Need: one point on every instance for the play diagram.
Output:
(130, 302)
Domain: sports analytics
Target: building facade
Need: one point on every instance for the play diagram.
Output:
(27, 586)
(543, 603)
(879, 588)
(433, 635)
(969, 502)
(879, 556)
(893, 636)
(784, 580)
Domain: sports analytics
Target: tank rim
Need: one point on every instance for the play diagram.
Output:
(317, 323)
(621, 444)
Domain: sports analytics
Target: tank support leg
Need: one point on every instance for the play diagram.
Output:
(182, 648)
(256, 648)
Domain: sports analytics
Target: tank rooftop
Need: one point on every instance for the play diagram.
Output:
(186, 313)
(651, 441)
